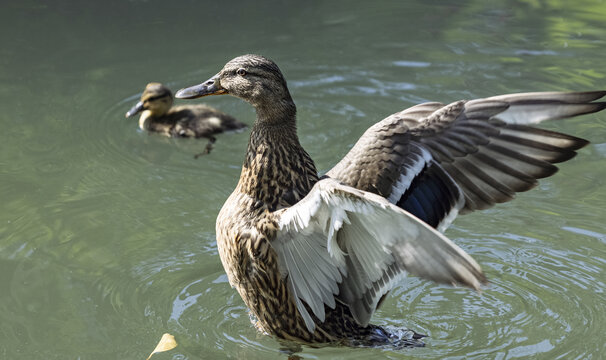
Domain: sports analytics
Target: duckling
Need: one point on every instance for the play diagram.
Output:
(195, 121)
(313, 257)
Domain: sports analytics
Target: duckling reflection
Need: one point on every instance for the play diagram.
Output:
(192, 121)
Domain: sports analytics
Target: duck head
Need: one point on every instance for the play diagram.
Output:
(156, 98)
(252, 78)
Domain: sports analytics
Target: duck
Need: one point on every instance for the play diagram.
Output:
(191, 121)
(313, 256)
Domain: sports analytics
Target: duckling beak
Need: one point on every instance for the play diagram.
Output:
(135, 109)
(209, 87)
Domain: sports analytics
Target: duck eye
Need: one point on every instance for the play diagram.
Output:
(241, 72)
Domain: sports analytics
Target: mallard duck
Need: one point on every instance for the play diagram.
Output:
(195, 121)
(313, 257)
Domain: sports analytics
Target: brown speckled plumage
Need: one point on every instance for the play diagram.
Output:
(276, 174)
(431, 160)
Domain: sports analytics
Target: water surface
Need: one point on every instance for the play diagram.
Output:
(107, 233)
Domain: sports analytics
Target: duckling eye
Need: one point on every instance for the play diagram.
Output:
(241, 72)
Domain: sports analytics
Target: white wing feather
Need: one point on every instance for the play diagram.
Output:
(353, 245)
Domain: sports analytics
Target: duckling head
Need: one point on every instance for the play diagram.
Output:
(253, 78)
(156, 99)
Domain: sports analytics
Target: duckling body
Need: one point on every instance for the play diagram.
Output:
(313, 258)
(192, 121)
(197, 121)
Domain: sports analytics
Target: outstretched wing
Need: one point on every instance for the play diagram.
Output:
(484, 146)
(340, 242)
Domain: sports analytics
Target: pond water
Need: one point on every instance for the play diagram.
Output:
(107, 233)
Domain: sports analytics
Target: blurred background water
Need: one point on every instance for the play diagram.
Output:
(107, 233)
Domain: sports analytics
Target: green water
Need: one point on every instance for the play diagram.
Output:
(107, 233)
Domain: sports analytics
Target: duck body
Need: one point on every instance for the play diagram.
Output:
(192, 121)
(313, 258)
(248, 226)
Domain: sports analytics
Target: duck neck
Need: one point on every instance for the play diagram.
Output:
(277, 170)
(279, 112)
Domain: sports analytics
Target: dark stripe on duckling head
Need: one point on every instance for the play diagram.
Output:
(156, 97)
(155, 91)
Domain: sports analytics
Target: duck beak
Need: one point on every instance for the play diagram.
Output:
(209, 87)
(135, 109)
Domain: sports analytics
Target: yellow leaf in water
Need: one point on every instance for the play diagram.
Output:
(166, 343)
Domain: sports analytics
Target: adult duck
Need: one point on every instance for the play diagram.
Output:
(313, 257)
(195, 121)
